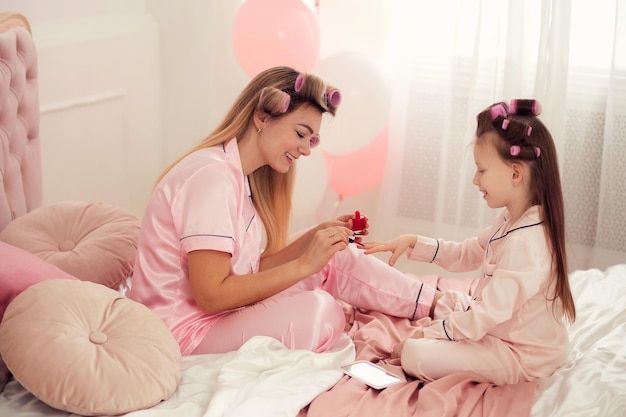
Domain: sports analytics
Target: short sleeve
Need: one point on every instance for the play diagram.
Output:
(205, 210)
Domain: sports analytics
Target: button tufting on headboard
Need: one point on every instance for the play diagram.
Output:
(20, 154)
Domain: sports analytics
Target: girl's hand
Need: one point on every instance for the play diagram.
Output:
(397, 246)
(323, 245)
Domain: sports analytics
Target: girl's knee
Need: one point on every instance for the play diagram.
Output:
(409, 359)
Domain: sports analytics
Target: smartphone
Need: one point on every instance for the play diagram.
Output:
(371, 374)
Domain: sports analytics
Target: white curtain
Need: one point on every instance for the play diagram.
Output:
(450, 59)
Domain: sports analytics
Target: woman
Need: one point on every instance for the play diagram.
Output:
(200, 264)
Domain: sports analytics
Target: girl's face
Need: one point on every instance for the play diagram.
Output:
(494, 176)
(289, 137)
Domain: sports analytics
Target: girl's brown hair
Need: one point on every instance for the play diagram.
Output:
(273, 93)
(523, 137)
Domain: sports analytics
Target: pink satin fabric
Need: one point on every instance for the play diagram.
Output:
(308, 316)
(205, 202)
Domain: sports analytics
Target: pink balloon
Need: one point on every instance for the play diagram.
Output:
(270, 33)
(361, 170)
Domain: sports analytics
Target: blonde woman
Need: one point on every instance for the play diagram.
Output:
(200, 263)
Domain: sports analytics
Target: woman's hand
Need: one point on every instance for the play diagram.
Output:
(345, 220)
(323, 245)
(397, 246)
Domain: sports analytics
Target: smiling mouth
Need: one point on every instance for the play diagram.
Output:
(290, 156)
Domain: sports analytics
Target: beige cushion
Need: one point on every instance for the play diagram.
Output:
(92, 241)
(86, 349)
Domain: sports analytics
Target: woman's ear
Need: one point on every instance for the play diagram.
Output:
(259, 119)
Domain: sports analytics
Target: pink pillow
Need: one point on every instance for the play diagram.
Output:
(92, 241)
(84, 348)
(21, 269)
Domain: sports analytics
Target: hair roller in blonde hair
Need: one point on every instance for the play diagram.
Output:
(285, 104)
(334, 97)
(299, 83)
(274, 101)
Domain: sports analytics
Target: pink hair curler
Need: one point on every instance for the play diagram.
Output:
(536, 108)
(537, 151)
(299, 82)
(515, 150)
(505, 124)
(285, 104)
(497, 111)
(529, 131)
(334, 97)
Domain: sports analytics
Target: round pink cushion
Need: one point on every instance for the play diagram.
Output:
(84, 348)
(92, 241)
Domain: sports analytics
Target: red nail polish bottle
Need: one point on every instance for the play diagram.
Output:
(358, 222)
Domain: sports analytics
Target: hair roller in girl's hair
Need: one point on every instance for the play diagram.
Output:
(497, 111)
(524, 107)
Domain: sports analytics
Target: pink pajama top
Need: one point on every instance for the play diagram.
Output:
(511, 299)
(204, 202)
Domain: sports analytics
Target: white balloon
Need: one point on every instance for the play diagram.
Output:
(355, 25)
(311, 183)
(365, 101)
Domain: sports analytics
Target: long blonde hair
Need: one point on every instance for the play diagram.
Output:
(274, 93)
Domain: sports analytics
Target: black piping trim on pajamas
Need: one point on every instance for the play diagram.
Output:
(493, 239)
(205, 234)
(416, 300)
(443, 323)
(251, 203)
(436, 252)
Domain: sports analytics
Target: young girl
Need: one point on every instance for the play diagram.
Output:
(512, 328)
(200, 265)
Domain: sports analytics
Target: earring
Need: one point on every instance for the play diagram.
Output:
(258, 130)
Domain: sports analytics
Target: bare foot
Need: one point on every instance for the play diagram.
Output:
(397, 350)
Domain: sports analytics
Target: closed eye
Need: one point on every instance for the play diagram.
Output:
(313, 142)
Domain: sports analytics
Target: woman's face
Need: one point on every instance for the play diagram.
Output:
(285, 139)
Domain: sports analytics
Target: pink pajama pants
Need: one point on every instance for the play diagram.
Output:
(308, 316)
(488, 359)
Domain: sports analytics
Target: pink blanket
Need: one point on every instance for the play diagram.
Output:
(374, 336)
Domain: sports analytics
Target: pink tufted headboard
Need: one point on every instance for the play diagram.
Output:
(20, 154)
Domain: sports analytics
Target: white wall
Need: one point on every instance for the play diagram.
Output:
(100, 99)
(127, 86)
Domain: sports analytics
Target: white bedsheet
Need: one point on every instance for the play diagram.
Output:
(263, 378)
(592, 381)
